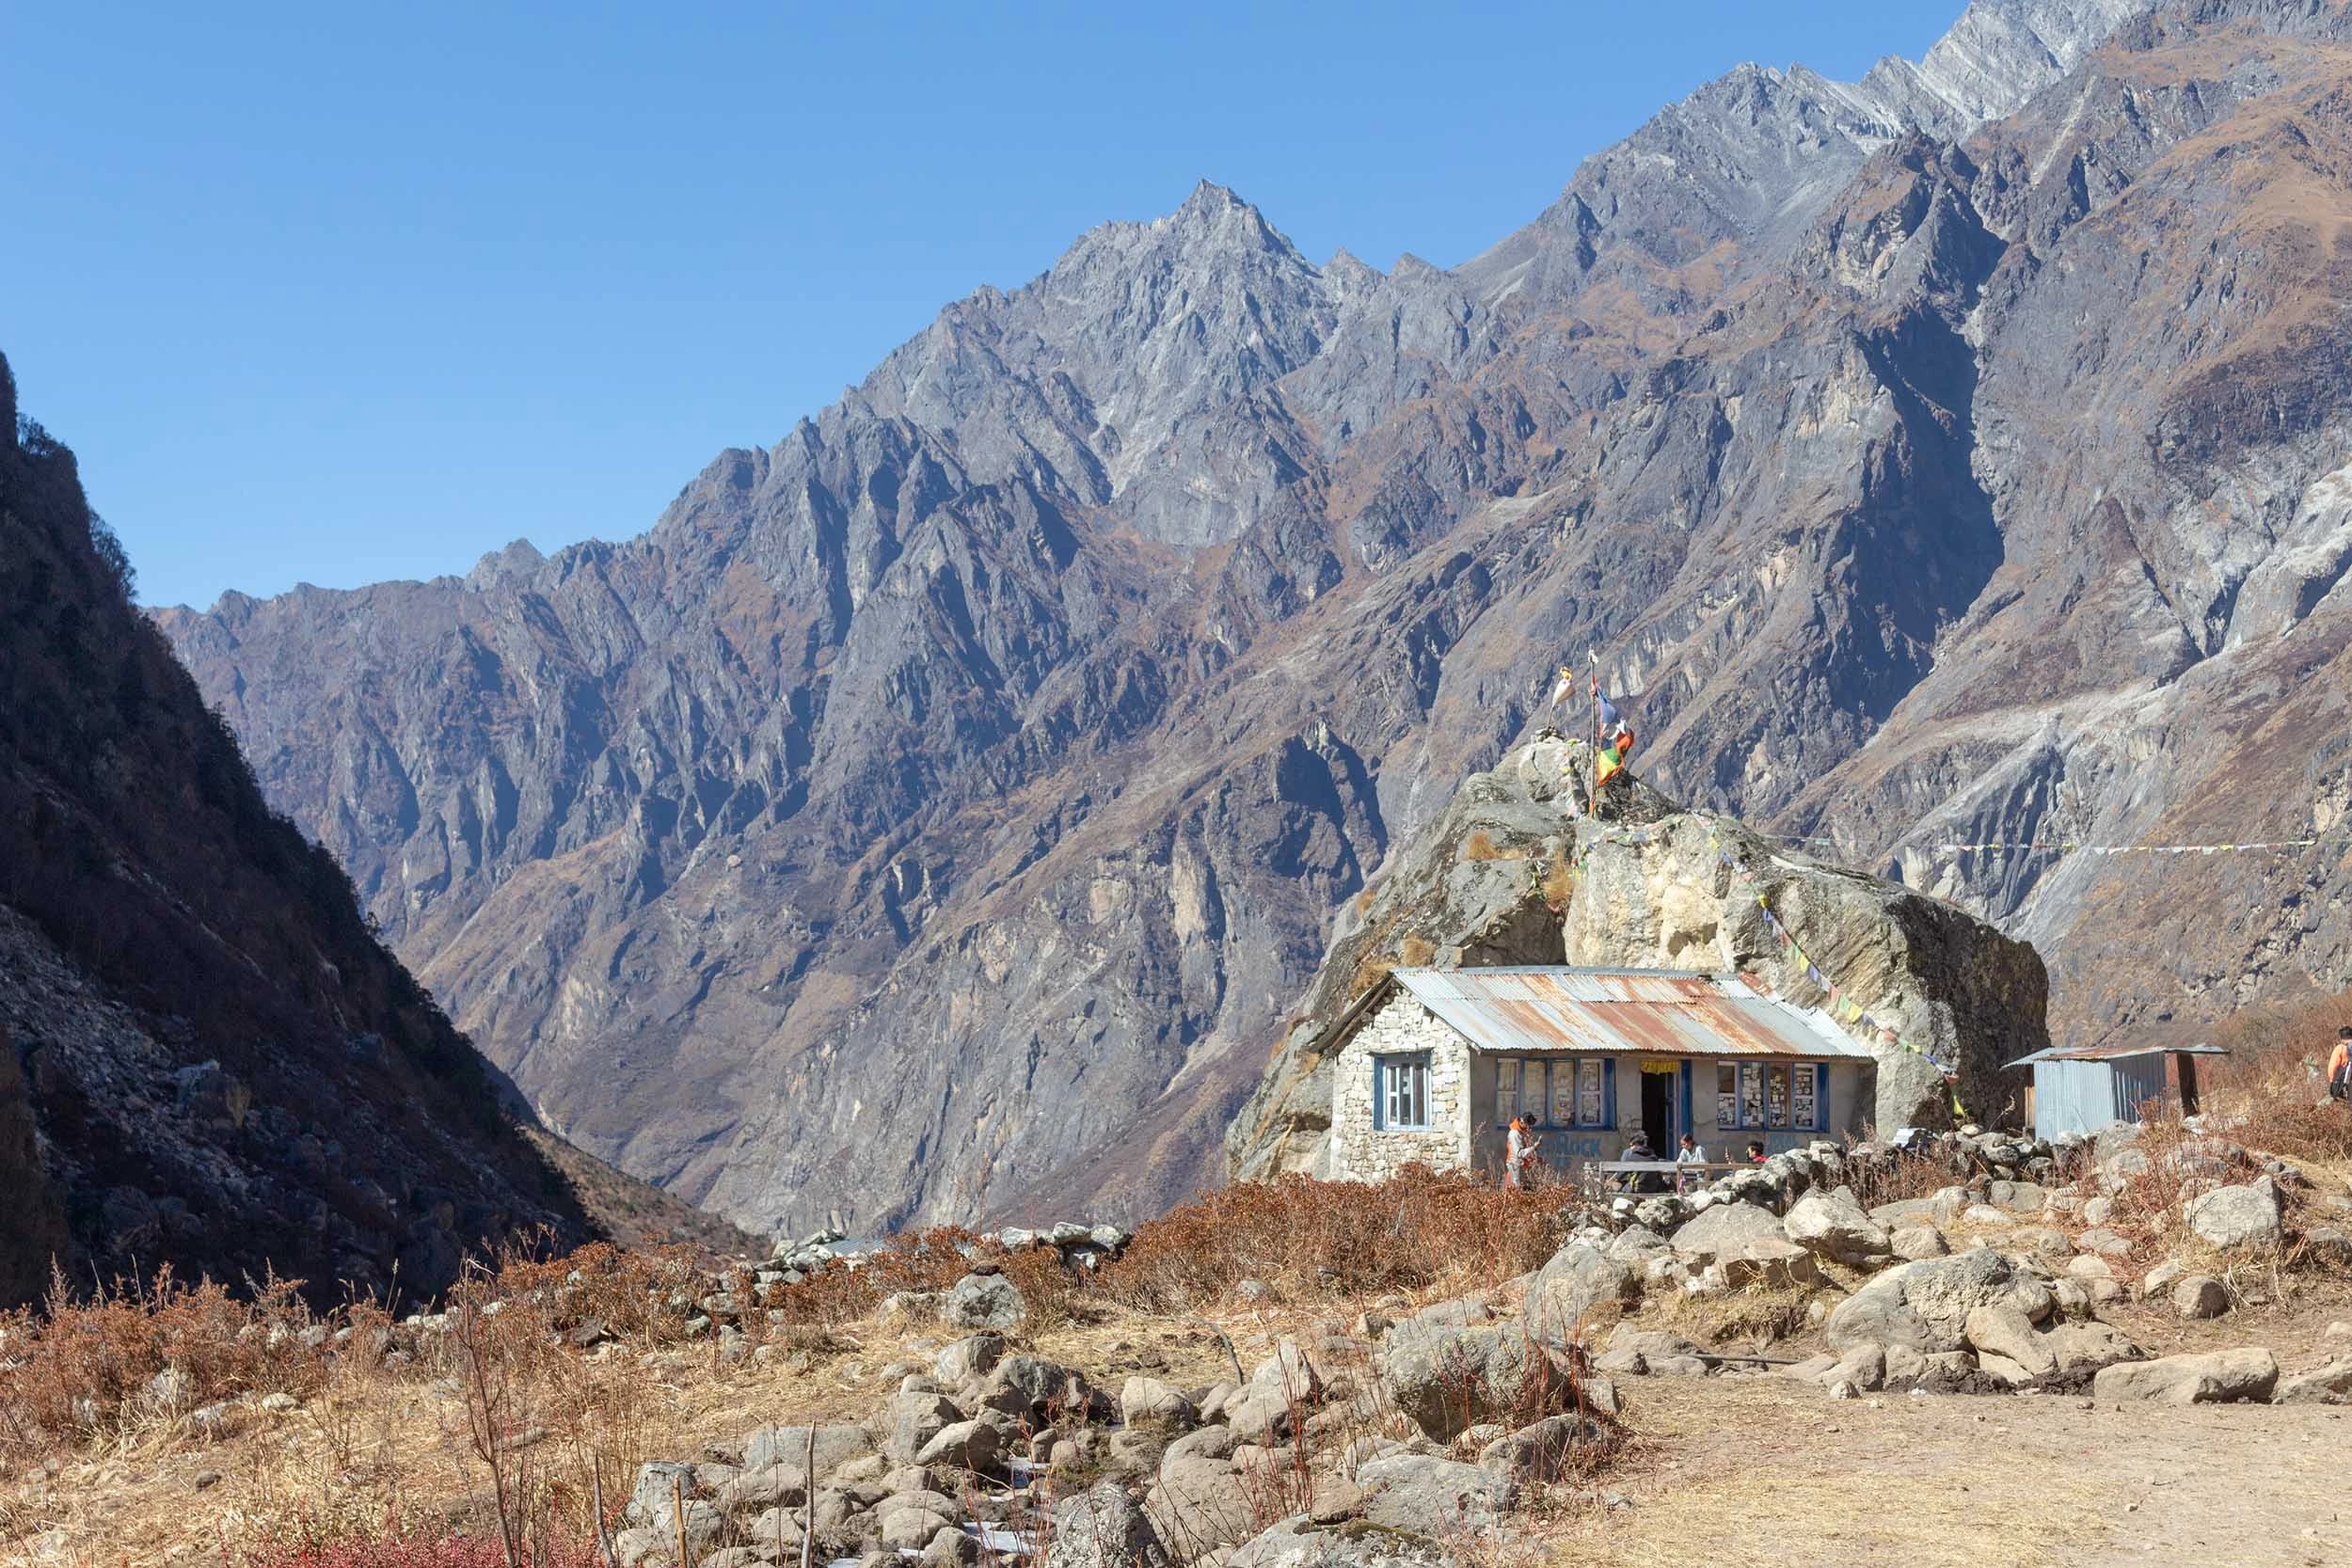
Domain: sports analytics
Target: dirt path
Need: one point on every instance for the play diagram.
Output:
(1760, 1471)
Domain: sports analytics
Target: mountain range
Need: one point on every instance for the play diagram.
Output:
(940, 812)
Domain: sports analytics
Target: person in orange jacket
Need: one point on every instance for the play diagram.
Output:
(2340, 1066)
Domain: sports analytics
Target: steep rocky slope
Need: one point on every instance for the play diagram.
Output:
(209, 1063)
(1515, 870)
(936, 813)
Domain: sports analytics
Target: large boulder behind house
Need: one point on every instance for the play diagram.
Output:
(1497, 880)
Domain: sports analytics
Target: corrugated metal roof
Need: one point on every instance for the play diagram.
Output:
(1657, 1012)
(2115, 1052)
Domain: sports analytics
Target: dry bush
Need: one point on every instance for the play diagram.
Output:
(2264, 1089)
(1558, 884)
(1318, 1238)
(1415, 951)
(1898, 1178)
(84, 1369)
(1481, 845)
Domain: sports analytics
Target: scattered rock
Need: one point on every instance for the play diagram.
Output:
(1446, 1380)
(2201, 1295)
(1433, 1496)
(1104, 1528)
(2235, 1217)
(2217, 1377)
(1925, 1306)
(2327, 1385)
(984, 1301)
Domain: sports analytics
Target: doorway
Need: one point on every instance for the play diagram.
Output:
(1658, 1106)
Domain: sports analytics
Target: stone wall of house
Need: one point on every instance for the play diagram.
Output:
(1361, 1152)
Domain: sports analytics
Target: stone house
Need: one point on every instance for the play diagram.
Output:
(1433, 1063)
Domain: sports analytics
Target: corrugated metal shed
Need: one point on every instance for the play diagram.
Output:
(1657, 1012)
(2081, 1088)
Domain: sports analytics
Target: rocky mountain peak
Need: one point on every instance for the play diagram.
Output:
(991, 769)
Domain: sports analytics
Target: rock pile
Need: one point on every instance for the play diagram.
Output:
(990, 1451)
(2012, 1306)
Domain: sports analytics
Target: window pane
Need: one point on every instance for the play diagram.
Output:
(1727, 1094)
(1751, 1093)
(1506, 1089)
(1531, 1094)
(1591, 1111)
(1564, 1094)
(1776, 1094)
(1802, 1101)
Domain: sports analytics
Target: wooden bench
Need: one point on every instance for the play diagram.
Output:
(1601, 1174)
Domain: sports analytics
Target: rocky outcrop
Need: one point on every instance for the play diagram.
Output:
(1956, 458)
(207, 1061)
(1516, 871)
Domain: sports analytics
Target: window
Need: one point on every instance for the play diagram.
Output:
(1562, 1094)
(1591, 1098)
(1757, 1095)
(1400, 1093)
(1564, 1099)
(1533, 1103)
(1803, 1098)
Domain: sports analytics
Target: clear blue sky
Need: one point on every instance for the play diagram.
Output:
(342, 293)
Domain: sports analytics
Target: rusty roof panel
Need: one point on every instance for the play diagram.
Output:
(2116, 1052)
(1646, 1012)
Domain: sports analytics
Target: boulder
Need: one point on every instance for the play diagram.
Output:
(1728, 1228)
(2327, 1385)
(910, 1529)
(654, 1502)
(2201, 1295)
(2217, 1377)
(787, 1448)
(1200, 1502)
(1832, 1226)
(1768, 1263)
(1577, 1282)
(1209, 1441)
(2236, 1217)
(2003, 1330)
(984, 1300)
(1915, 1243)
(1104, 1528)
(2093, 1344)
(1431, 1497)
(1145, 1399)
(912, 1422)
(1447, 1380)
(969, 1358)
(967, 1445)
(1925, 1306)
(1538, 1452)
(2018, 1198)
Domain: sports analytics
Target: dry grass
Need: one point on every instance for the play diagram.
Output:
(1316, 1241)
(1415, 951)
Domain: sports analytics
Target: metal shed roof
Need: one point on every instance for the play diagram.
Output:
(2114, 1053)
(1659, 1012)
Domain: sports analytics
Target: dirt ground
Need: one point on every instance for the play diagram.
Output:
(1762, 1471)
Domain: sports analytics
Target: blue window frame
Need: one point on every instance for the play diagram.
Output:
(1565, 1093)
(1400, 1093)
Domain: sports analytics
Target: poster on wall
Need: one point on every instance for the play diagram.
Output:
(1801, 1099)
(1752, 1094)
(1776, 1094)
